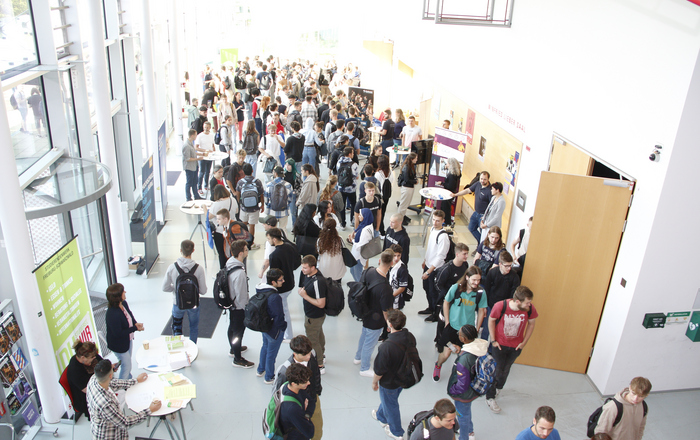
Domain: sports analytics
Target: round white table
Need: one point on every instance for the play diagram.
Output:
(217, 155)
(437, 194)
(198, 207)
(157, 357)
(140, 396)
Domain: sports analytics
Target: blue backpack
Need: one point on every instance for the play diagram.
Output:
(483, 373)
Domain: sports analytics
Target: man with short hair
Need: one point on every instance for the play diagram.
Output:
(331, 125)
(634, 412)
(313, 290)
(387, 363)
(308, 110)
(198, 123)
(447, 276)
(511, 324)
(205, 144)
(411, 133)
(294, 115)
(189, 165)
(380, 302)
(294, 145)
(482, 197)
(278, 196)
(107, 421)
(192, 112)
(273, 338)
(251, 200)
(185, 264)
(264, 81)
(303, 353)
(348, 173)
(396, 234)
(238, 290)
(499, 284)
(387, 132)
(398, 277)
(373, 203)
(335, 139)
(543, 426)
(295, 417)
(285, 257)
(435, 254)
(446, 124)
(441, 425)
(494, 211)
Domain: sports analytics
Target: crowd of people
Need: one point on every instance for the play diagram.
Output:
(282, 121)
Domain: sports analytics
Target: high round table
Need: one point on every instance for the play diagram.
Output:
(157, 348)
(437, 194)
(198, 207)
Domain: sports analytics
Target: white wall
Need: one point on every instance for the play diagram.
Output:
(612, 77)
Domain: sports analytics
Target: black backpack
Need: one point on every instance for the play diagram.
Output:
(266, 81)
(345, 178)
(451, 251)
(408, 292)
(335, 298)
(421, 420)
(279, 196)
(222, 294)
(257, 317)
(217, 136)
(187, 288)
(410, 372)
(359, 296)
(239, 82)
(593, 419)
(227, 82)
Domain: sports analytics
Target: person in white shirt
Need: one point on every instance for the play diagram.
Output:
(205, 144)
(271, 146)
(410, 134)
(435, 254)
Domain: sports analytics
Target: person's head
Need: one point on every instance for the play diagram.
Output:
(438, 218)
(410, 161)
(270, 222)
(115, 295)
(296, 126)
(383, 165)
(496, 188)
(275, 278)
(398, 250)
(223, 217)
(229, 120)
(250, 128)
(274, 236)
(247, 169)
(446, 124)
(308, 265)
(350, 127)
(461, 252)
(271, 129)
(378, 150)
(386, 258)
(207, 127)
(543, 422)
(484, 178)
(240, 156)
(467, 333)
(203, 110)
(453, 167)
(445, 413)
(505, 262)
(298, 376)
(523, 297)
(301, 347)
(224, 98)
(494, 238)
(103, 371)
(297, 105)
(333, 114)
(264, 102)
(370, 189)
(278, 171)
(396, 319)
(348, 151)
(218, 171)
(85, 352)
(239, 249)
(387, 113)
(469, 282)
(396, 222)
(307, 169)
(192, 134)
(324, 208)
(639, 389)
(186, 248)
(529, 223)
(318, 126)
(411, 121)
(195, 102)
(368, 169)
(340, 124)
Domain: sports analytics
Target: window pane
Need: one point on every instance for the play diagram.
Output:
(69, 111)
(17, 45)
(27, 118)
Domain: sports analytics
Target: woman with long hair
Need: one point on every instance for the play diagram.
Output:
(310, 187)
(325, 211)
(407, 181)
(331, 193)
(222, 200)
(363, 234)
(488, 251)
(383, 176)
(258, 116)
(306, 231)
(121, 326)
(451, 183)
(399, 124)
(251, 140)
(239, 106)
(330, 251)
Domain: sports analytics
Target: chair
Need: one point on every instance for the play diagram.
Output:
(63, 380)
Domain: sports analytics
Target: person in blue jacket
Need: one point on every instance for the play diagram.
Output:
(295, 417)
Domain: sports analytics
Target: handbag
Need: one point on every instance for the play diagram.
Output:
(348, 258)
(372, 249)
(269, 165)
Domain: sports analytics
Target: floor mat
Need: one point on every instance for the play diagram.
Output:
(209, 314)
(173, 176)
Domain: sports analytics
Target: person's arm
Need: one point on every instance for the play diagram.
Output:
(480, 318)
(606, 419)
(513, 245)
(379, 219)
(528, 332)
(168, 282)
(492, 331)
(318, 302)
(446, 310)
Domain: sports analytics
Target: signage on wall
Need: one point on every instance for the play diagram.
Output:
(150, 231)
(163, 172)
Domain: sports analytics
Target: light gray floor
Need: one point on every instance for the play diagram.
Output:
(230, 400)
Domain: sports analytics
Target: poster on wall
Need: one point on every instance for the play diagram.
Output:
(446, 144)
(471, 116)
(229, 57)
(66, 301)
(163, 172)
(150, 231)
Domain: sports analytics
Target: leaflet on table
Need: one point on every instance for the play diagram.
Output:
(175, 404)
(173, 338)
(179, 360)
(141, 400)
(153, 359)
(173, 379)
(175, 345)
(180, 392)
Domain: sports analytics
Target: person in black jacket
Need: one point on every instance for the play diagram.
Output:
(273, 338)
(295, 418)
(121, 325)
(306, 227)
(451, 183)
(79, 371)
(386, 364)
(198, 123)
(396, 234)
(407, 181)
(499, 285)
(284, 257)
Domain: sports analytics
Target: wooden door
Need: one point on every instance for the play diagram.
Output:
(568, 159)
(576, 231)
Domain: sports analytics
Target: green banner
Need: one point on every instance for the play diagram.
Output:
(229, 56)
(66, 301)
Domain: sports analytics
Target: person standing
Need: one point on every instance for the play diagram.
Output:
(273, 338)
(252, 200)
(511, 324)
(185, 264)
(205, 144)
(284, 257)
(634, 412)
(295, 417)
(411, 133)
(494, 211)
(238, 290)
(407, 181)
(435, 254)
(543, 426)
(396, 234)
(239, 106)
(451, 183)
(251, 139)
(330, 251)
(482, 198)
(499, 284)
(362, 235)
(121, 326)
(347, 172)
(387, 132)
(313, 290)
(388, 361)
(441, 425)
(278, 195)
(372, 202)
(189, 165)
(398, 278)
(228, 139)
(447, 276)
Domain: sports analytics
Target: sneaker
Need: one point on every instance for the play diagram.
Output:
(286, 341)
(436, 372)
(322, 370)
(471, 436)
(431, 318)
(374, 416)
(356, 361)
(493, 406)
(254, 246)
(425, 312)
(260, 373)
(498, 392)
(390, 435)
(367, 373)
(269, 382)
(243, 363)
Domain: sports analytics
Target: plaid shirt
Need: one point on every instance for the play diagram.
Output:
(269, 188)
(308, 111)
(108, 422)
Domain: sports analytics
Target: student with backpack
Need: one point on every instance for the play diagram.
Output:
(347, 172)
(440, 423)
(312, 289)
(435, 255)
(286, 258)
(499, 284)
(251, 139)
(459, 386)
(294, 414)
(188, 281)
(447, 276)
(389, 372)
(278, 196)
(238, 292)
(251, 200)
(407, 181)
(272, 339)
(623, 416)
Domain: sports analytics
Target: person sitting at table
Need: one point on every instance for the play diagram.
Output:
(80, 369)
(108, 421)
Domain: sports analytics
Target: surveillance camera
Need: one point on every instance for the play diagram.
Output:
(655, 155)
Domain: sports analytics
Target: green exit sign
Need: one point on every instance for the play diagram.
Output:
(677, 317)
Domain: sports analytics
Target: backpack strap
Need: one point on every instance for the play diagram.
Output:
(620, 410)
(179, 270)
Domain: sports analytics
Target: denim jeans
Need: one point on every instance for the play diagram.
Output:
(464, 417)
(474, 225)
(365, 348)
(288, 333)
(253, 161)
(309, 156)
(268, 354)
(204, 170)
(386, 145)
(192, 315)
(293, 211)
(356, 271)
(191, 185)
(505, 358)
(125, 358)
(389, 411)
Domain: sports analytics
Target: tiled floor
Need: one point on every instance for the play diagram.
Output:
(230, 401)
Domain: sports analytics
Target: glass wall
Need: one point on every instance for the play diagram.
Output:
(17, 44)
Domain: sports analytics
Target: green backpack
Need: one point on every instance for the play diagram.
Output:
(271, 416)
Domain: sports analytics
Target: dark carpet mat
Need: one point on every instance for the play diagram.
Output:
(209, 315)
(173, 176)
(137, 231)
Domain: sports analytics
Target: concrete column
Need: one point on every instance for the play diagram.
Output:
(105, 133)
(18, 244)
(176, 75)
